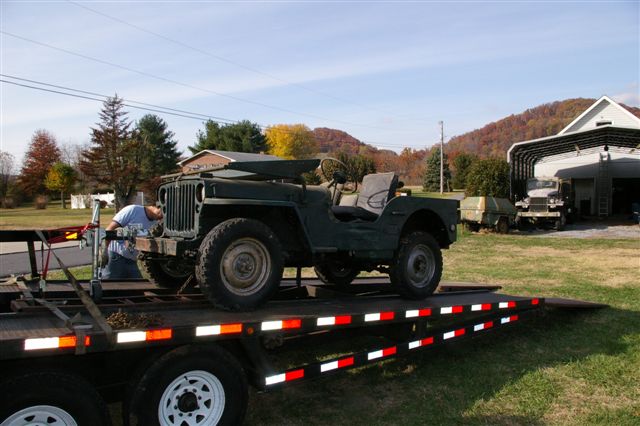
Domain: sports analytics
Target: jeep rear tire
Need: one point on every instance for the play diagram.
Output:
(239, 264)
(172, 273)
(334, 272)
(417, 266)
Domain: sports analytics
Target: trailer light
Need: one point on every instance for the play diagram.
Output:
(535, 301)
(505, 305)
(214, 330)
(451, 310)
(334, 365)
(338, 320)
(379, 316)
(418, 313)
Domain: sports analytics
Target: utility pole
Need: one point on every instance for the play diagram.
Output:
(441, 123)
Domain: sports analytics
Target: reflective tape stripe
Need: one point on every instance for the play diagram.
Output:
(451, 310)
(142, 336)
(379, 316)
(281, 324)
(419, 343)
(61, 342)
(455, 333)
(339, 320)
(535, 301)
(345, 362)
(506, 320)
(481, 307)
(278, 378)
(418, 313)
(504, 305)
(271, 325)
(214, 330)
(284, 377)
(381, 353)
(483, 326)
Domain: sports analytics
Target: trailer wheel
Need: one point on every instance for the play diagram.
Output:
(191, 386)
(334, 272)
(239, 264)
(502, 227)
(417, 267)
(51, 398)
(172, 273)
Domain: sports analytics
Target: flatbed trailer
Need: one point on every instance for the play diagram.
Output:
(173, 359)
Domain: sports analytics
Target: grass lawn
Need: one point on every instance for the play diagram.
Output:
(560, 368)
(54, 216)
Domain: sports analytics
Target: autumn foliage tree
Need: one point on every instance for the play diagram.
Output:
(61, 178)
(42, 154)
(114, 158)
(291, 141)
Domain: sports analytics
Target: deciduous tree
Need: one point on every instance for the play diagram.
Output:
(7, 163)
(61, 178)
(42, 154)
(115, 156)
(488, 177)
(291, 141)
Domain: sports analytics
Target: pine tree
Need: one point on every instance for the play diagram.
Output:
(461, 165)
(115, 157)
(431, 181)
(243, 136)
(42, 154)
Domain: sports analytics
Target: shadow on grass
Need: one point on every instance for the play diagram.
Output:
(500, 378)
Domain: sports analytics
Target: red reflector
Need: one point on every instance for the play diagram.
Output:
(70, 341)
(293, 375)
(486, 306)
(389, 351)
(535, 301)
(513, 318)
(456, 309)
(344, 319)
(511, 304)
(230, 328)
(488, 324)
(385, 316)
(292, 323)
(424, 312)
(162, 334)
(459, 332)
(345, 362)
(427, 341)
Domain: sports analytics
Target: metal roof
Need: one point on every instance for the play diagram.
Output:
(524, 155)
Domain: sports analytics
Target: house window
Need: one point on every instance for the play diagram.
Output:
(604, 123)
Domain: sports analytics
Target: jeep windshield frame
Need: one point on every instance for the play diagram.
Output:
(253, 170)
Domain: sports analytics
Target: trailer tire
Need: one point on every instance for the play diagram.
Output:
(203, 384)
(502, 227)
(333, 272)
(170, 274)
(417, 266)
(51, 398)
(239, 264)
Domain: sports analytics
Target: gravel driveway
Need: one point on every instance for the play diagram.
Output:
(608, 228)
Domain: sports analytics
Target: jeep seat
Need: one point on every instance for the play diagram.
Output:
(377, 190)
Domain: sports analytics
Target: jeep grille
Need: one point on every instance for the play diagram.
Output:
(538, 204)
(180, 209)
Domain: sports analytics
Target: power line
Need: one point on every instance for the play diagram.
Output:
(176, 82)
(148, 107)
(223, 59)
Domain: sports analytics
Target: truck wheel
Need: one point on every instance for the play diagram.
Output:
(51, 398)
(333, 272)
(191, 385)
(172, 273)
(502, 227)
(239, 264)
(560, 223)
(472, 226)
(417, 267)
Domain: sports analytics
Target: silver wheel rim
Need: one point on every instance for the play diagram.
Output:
(196, 398)
(421, 266)
(40, 415)
(245, 266)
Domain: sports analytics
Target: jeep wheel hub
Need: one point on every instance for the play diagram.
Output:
(245, 266)
(420, 266)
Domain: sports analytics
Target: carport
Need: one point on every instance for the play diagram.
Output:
(523, 156)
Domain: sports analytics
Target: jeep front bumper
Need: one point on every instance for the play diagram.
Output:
(164, 246)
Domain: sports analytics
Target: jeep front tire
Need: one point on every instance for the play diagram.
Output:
(239, 264)
(417, 267)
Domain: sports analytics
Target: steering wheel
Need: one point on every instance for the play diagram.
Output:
(334, 171)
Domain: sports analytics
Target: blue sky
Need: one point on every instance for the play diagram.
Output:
(385, 72)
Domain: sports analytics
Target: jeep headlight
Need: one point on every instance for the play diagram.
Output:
(162, 196)
(200, 193)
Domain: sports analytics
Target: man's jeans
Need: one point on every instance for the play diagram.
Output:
(120, 268)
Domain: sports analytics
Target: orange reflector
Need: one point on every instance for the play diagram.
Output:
(230, 328)
(292, 323)
(162, 334)
(71, 235)
(70, 341)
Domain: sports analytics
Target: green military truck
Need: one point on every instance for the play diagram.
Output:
(235, 228)
(549, 200)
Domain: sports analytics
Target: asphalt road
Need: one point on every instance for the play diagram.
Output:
(18, 263)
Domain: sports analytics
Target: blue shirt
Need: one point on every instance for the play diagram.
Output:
(132, 217)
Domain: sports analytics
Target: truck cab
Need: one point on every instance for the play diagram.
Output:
(548, 200)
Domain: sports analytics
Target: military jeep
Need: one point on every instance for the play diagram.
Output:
(236, 227)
